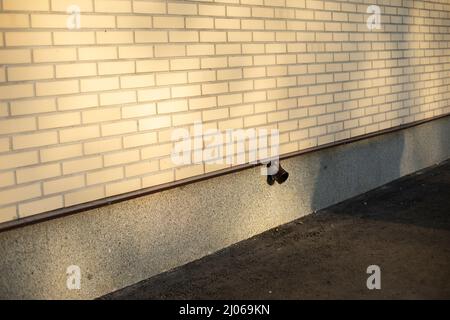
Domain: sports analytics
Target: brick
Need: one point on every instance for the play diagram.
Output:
(7, 179)
(227, 23)
(75, 70)
(215, 167)
(187, 172)
(151, 36)
(202, 76)
(34, 140)
(118, 128)
(117, 67)
(8, 214)
(112, 6)
(170, 50)
(185, 64)
(216, 62)
(239, 36)
(97, 53)
(139, 140)
(2, 74)
(168, 22)
(101, 115)
(4, 110)
(19, 194)
(103, 176)
(39, 206)
(56, 88)
(216, 114)
(26, 5)
(120, 97)
(229, 74)
(16, 91)
(135, 52)
(99, 84)
(228, 49)
(157, 151)
(241, 110)
(172, 106)
(85, 164)
(241, 85)
(153, 94)
(61, 153)
(255, 120)
(231, 124)
(138, 81)
(14, 39)
(77, 102)
(166, 163)
(83, 196)
(202, 103)
(152, 65)
(102, 146)
(211, 10)
(238, 11)
(59, 120)
(199, 23)
(62, 5)
(114, 37)
(15, 56)
(187, 118)
(16, 160)
(230, 99)
(90, 21)
(79, 133)
(38, 173)
(171, 78)
(183, 36)
(138, 111)
(186, 91)
(121, 158)
(254, 48)
(158, 179)
(13, 21)
(55, 54)
(141, 168)
(4, 145)
(213, 36)
(149, 7)
(156, 122)
(122, 187)
(63, 184)
(199, 50)
(182, 8)
(265, 83)
(25, 107)
(75, 38)
(215, 88)
(17, 125)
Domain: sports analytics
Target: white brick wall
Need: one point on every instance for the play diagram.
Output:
(86, 114)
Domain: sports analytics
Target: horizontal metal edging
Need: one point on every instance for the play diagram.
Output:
(147, 191)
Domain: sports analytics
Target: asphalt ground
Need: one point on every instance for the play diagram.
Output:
(402, 227)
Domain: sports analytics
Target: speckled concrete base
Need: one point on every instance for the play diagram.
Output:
(121, 244)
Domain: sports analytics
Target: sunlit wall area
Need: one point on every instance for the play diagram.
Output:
(91, 91)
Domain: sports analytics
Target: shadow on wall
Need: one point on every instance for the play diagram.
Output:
(403, 153)
(343, 176)
(339, 179)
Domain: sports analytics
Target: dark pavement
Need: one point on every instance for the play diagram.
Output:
(403, 227)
